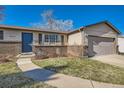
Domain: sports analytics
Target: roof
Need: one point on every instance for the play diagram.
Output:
(106, 22)
(60, 32)
(30, 29)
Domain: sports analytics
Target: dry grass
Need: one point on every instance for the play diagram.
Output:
(84, 68)
(11, 76)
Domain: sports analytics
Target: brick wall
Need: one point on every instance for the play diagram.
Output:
(54, 51)
(12, 48)
(75, 50)
(50, 51)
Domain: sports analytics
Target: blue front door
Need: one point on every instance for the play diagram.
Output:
(27, 39)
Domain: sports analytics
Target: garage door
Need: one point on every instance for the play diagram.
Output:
(101, 46)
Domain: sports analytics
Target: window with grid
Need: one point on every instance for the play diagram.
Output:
(1, 35)
(51, 38)
(46, 38)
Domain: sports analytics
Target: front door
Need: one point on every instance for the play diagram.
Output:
(27, 39)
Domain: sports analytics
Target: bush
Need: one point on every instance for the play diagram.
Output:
(6, 58)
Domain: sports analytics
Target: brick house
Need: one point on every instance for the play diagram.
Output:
(90, 40)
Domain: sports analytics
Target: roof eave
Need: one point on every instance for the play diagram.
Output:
(114, 28)
(107, 22)
(37, 30)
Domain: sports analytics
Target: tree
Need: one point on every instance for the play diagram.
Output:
(51, 23)
(1, 14)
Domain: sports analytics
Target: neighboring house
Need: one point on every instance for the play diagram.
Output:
(121, 44)
(91, 40)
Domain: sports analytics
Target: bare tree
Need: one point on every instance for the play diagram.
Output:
(1, 14)
(51, 23)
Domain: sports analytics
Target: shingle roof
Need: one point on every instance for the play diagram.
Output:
(60, 32)
(30, 29)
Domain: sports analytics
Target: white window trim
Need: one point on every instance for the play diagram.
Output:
(56, 38)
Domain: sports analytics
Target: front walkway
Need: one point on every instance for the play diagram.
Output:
(55, 79)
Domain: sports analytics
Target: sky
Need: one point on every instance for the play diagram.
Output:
(20, 15)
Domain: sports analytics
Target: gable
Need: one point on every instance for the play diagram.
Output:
(101, 29)
(75, 39)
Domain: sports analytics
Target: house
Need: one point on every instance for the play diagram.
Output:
(121, 44)
(91, 40)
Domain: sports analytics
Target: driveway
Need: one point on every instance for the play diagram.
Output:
(117, 60)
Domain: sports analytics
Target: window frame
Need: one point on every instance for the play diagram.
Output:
(1, 35)
(51, 38)
(40, 38)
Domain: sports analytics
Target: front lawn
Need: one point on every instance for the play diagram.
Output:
(11, 76)
(84, 68)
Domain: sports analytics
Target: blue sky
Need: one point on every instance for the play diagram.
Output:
(81, 15)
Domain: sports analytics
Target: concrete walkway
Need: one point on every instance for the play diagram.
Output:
(58, 80)
(117, 60)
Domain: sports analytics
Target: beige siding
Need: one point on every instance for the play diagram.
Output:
(101, 30)
(12, 35)
(75, 39)
(16, 35)
(35, 38)
(65, 40)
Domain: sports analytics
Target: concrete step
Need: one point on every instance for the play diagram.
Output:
(26, 55)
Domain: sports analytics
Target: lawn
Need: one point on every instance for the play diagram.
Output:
(11, 76)
(84, 68)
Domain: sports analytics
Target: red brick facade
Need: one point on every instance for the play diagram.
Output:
(12, 48)
(75, 51)
(57, 51)
(50, 51)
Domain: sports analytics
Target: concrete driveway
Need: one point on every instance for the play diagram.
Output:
(117, 60)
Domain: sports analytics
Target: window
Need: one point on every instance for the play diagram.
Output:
(51, 38)
(46, 38)
(40, 38)
(1, 35)
(57, 38)
(62, 39)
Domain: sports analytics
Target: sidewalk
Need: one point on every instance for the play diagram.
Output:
(58, 80)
